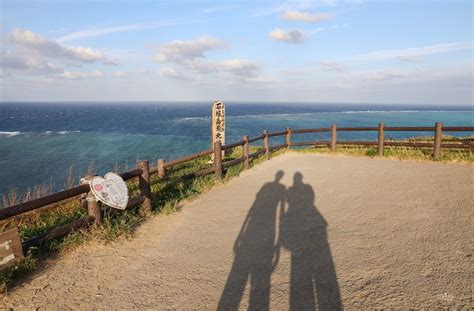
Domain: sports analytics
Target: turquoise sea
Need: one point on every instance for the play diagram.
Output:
(40, 141)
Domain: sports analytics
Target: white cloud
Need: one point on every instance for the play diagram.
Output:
(167, 72)
(414, 54)
(356, 1)
(331, 66)
(36, 43)
(170, 72)
(241, 67)
(383, 75)
(32, 54)
(120, 74)
(293, 36)
(371, 79)
(26, 64)
(197, 68)
(306, 17)
(85, 54)
(190, 62)
(179, 50)
(217, 9)
(302, 5)
(95, 32)
(73, 75)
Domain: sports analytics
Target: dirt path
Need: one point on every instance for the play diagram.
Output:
(377, 233)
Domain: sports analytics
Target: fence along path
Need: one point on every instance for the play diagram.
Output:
(144, 170)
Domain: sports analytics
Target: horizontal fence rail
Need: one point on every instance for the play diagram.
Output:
(218, 167)
(318, 130)
(188, 158)
(251, 140)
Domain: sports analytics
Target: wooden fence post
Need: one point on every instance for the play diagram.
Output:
(266, 144)
(218, 160)
(288, 137)
(93, 206)
(333, 137)
(381, 139)
(161, 168)
(437, 140)
(145, 190)
(245, 151)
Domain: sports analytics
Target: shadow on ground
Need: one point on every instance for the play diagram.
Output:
(301, 231)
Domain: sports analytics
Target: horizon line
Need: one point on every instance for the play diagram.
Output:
(228, 101)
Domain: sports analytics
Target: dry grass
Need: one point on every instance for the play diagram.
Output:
(403, 153)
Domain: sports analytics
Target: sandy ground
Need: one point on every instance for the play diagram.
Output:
(352, 233)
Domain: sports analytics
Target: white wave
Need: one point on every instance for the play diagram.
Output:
(194, 118)
(67, 132)
(15, 133)
(325, 112)
(9, 134)
(339, 112)
(58, 133)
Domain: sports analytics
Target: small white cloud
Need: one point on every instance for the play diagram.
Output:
(331, 66)
(293, 36)
(120, 74)
(86, 54)
(216, 9)
(179, 50)
(381, 75)
(409, 58)
(306, 17)
(356, 1)
(73, 75)
(241, 67)
(169, 72)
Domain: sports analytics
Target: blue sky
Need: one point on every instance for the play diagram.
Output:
(306, 51)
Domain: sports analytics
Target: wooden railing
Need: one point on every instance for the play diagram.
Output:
(143, 170)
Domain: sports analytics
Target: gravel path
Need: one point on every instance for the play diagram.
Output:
(334, 232)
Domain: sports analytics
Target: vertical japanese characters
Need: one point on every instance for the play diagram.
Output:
(218, 123)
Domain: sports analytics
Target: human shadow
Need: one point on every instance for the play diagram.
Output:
(313, 280)
(256, 250)
(302, 231)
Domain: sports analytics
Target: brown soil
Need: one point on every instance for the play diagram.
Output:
(355, 233)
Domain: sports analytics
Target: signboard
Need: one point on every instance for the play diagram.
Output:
(11, 250)
(217, 123)
(110, 190)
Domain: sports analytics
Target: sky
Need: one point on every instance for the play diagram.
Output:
(344, 51)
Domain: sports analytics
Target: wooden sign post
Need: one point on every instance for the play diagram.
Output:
(10, 248)
(217, 124)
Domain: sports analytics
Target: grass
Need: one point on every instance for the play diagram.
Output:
(402, 153)
(167, 197)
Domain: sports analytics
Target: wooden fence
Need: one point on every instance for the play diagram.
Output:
(144, 170)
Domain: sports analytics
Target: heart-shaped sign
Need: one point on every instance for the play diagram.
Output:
(110, 190)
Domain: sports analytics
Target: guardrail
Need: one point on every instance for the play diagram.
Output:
(143, 170)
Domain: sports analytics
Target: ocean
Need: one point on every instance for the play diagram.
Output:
(39, 142)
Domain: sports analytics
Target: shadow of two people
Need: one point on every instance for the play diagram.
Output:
(302, 231)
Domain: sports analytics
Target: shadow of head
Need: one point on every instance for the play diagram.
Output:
(279, 176)
(298, 178)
